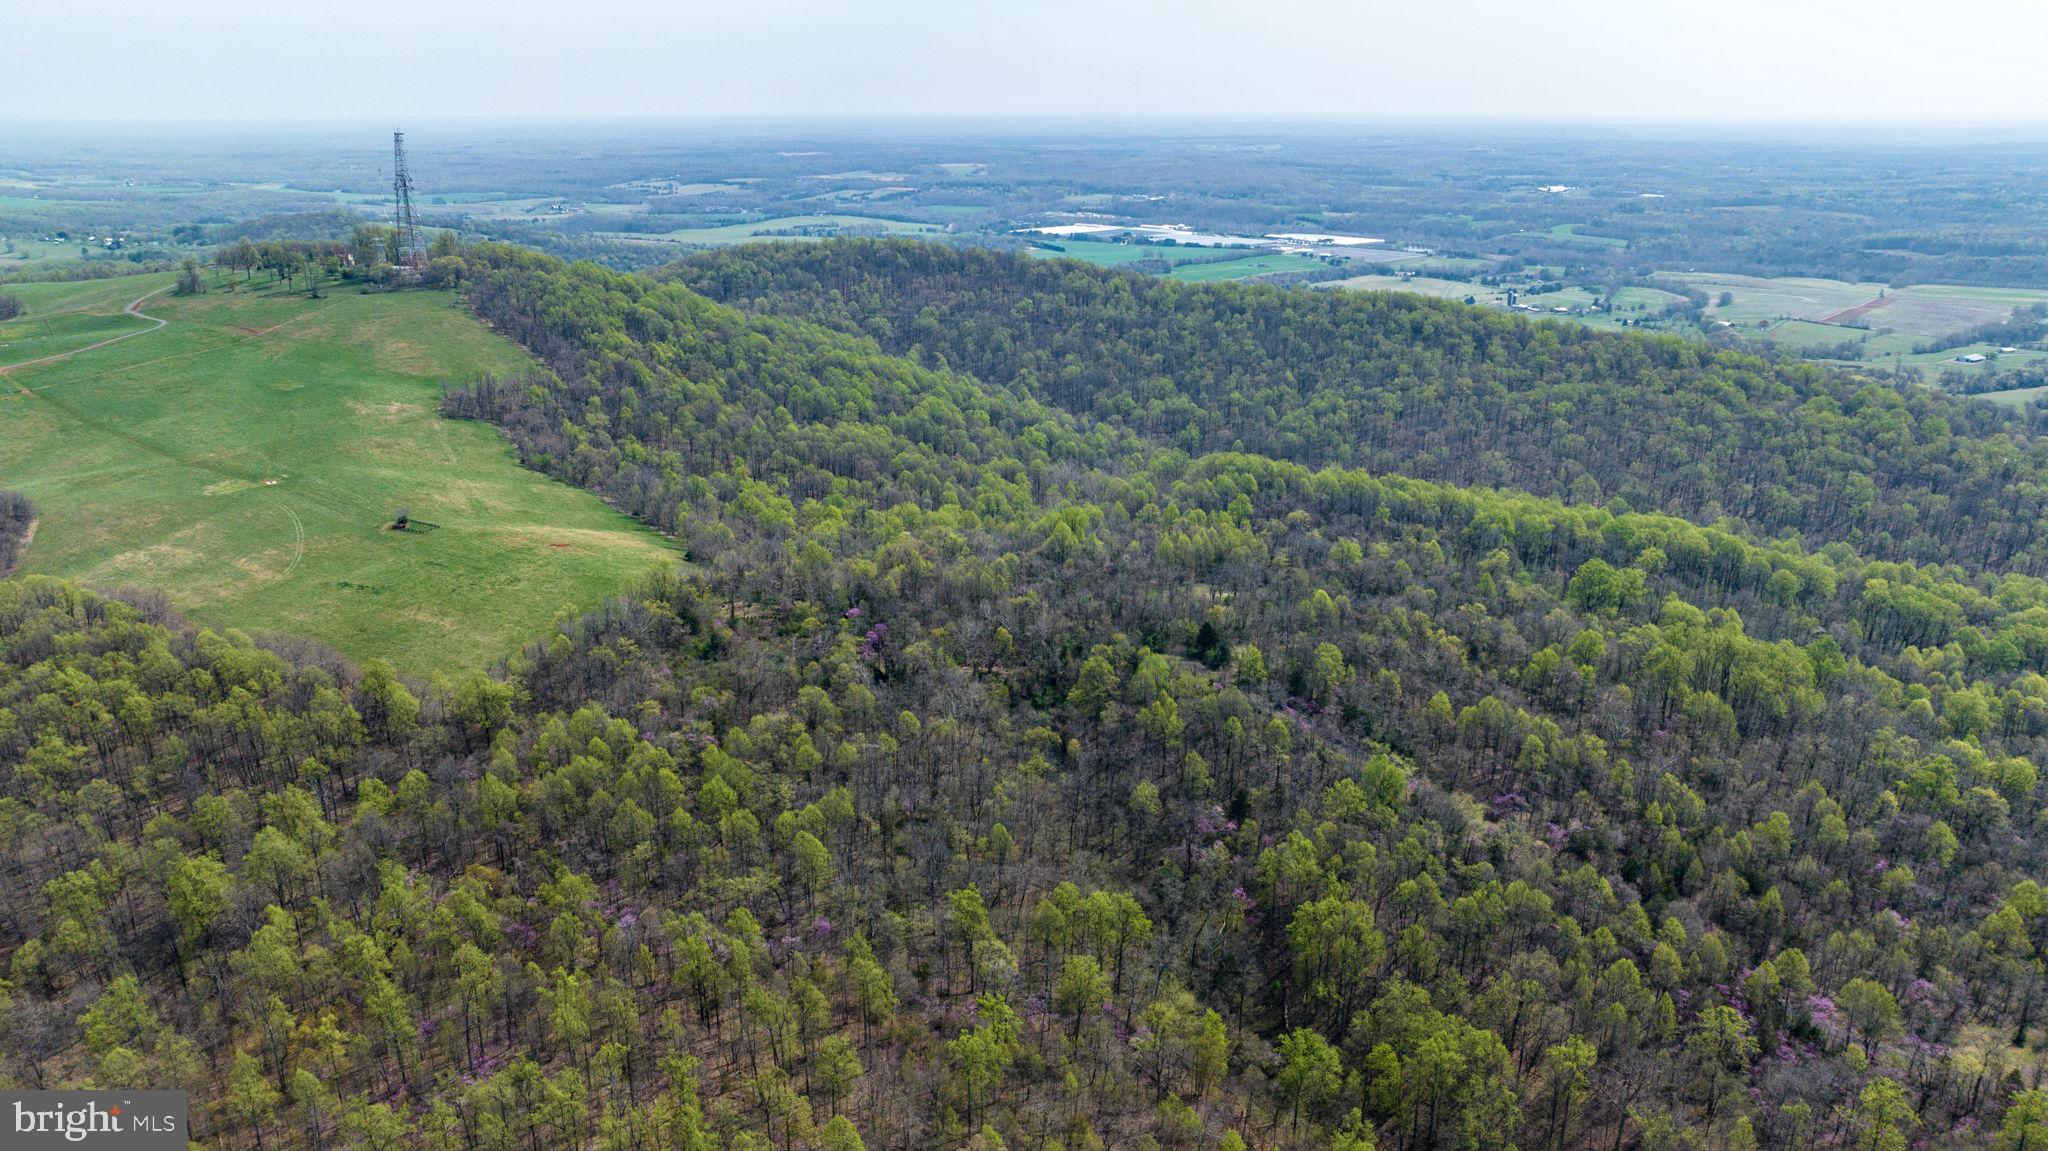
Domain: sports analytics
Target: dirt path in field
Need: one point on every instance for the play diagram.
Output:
(134, 309)
(1857, 312)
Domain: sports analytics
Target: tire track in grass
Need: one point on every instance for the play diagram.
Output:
(299, 530)
(45, 389)
(134, 308)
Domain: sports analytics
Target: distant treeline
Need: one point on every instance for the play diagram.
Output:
(368, 255)
(129, 263)
(332, 224)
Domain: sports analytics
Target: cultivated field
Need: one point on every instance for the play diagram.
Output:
(1888, 323)
(248, 457)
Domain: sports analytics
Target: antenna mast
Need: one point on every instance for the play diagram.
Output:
(412, 252)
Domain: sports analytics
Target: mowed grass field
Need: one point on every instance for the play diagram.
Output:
(247, 458)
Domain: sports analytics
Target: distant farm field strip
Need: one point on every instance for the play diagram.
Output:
(779, 228)
(1859, 311)
(1422, 286)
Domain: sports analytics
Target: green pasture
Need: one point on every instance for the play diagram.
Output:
(248, 458)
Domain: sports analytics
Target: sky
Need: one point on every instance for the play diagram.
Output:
(1579, 61)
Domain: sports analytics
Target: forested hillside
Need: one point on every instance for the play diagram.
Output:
(1055, 743)
(1428, 388)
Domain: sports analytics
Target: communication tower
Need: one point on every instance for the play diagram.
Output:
(412, 251)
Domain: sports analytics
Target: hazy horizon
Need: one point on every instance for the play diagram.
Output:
(36, 131)
(1572, 62)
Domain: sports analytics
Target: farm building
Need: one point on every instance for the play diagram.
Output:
(1971, 358)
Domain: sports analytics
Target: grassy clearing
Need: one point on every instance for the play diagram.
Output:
(1247, 268)
(1569, 233)
(247, 458)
